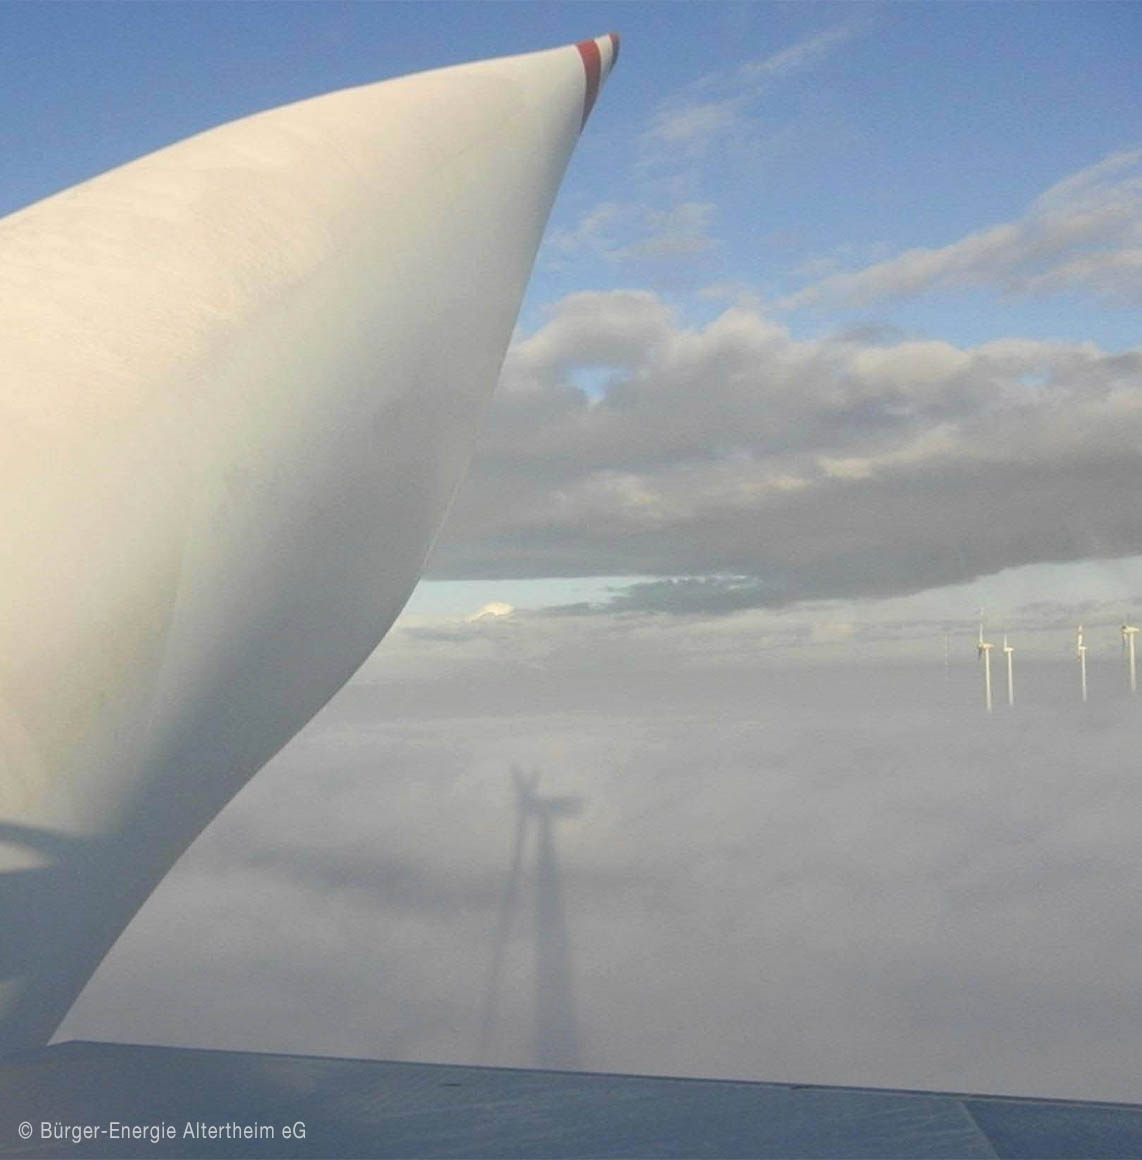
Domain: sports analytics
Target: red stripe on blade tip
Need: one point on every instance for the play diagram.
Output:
(592, 65)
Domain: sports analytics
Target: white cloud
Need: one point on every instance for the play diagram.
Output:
(681, 230)
(833, 467)
(628, 234)
(494, 608)
(693, 122)
(836, 876)
(583, 335)
(592, 232)
(1085, 233)
(686, 125)
(795, 57)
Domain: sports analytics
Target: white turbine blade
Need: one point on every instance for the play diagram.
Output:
(241, 381)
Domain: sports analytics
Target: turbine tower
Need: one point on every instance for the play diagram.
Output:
(1129, 632)
(1080, 650)
(983, 652)
(242, 380)
(1009, 650)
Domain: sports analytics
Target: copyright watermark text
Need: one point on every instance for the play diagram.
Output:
(61, 1132)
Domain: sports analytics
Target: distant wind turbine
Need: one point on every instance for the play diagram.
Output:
(1008, 650)
(1080, 649)
(1128, 634)
(984, 652)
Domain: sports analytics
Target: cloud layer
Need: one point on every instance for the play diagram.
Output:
(624, 442)
(839, 875)
(1083, 234)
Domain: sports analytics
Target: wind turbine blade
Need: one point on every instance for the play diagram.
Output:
(242, 379)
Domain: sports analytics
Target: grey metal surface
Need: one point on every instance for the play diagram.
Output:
(363, 1108)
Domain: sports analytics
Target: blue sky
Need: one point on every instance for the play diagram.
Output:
(819, 133)
(922, 219)
(829, 194)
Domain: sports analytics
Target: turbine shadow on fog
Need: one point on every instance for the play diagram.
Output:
(555, 1028)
